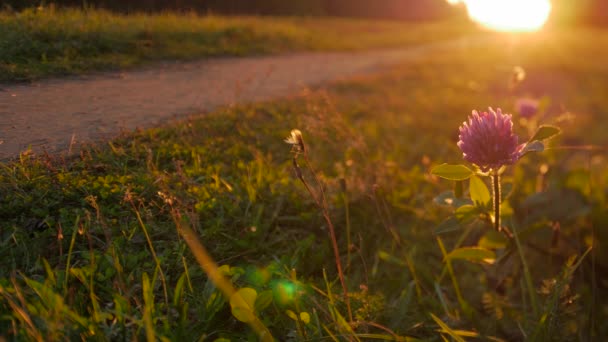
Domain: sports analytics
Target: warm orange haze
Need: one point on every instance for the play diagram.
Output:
(508, 15)
(303, 170)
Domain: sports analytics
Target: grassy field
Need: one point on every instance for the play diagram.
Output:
(44, 42)
(100, 246)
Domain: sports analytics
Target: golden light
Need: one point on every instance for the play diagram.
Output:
(508, 15)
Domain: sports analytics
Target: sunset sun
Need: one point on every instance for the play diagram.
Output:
(508, 15)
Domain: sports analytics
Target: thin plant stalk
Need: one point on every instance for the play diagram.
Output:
(20, 312)
(154, 256)
(411, 266)
(210, 267)
(301, 332)
(347, 220)
(496, 196)
(298, 146)
(322, 204)
(314, 174)
(458, 243)
(384, 215)
(67, 264)
(527, 275)
(339, 264)
(187, 275)
(461, 301)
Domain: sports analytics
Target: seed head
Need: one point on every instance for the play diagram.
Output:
(296, 141)
(517, 76)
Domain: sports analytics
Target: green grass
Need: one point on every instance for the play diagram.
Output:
(46, 42)
(93, 245)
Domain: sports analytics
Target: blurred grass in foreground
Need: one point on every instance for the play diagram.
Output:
(41, 42)
(92, 248)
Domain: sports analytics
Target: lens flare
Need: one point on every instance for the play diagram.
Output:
(284, 292)
(508, 15)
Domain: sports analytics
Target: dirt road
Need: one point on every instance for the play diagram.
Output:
(52, 114)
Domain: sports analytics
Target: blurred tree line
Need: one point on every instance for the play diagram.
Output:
(391, 9)
(570, 11)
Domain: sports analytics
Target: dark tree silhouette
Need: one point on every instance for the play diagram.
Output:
(571, 11)
(393, 9)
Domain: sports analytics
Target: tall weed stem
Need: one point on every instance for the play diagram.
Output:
(322, 204)
(496, 196)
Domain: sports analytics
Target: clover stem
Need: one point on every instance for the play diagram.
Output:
(496, 199)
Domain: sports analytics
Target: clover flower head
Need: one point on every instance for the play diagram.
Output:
(487, 140)
(527, 107)
(296, 141)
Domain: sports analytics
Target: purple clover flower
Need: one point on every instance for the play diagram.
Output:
(487, 140)
(527, 108)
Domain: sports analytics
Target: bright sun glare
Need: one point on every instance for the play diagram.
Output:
(508, 15)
